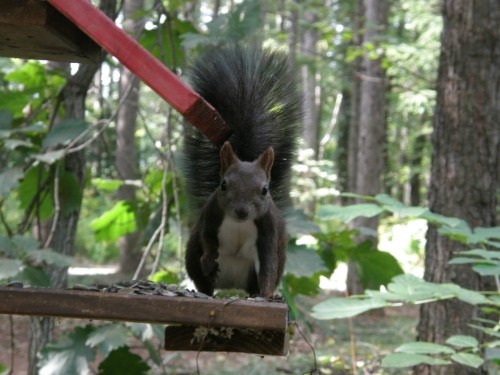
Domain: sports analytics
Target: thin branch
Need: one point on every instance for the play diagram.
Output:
(164, 217)
(331, 126)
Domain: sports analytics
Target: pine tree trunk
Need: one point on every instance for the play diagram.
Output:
(309, 84)
(466, 159)
(126, 159)
(372, 119)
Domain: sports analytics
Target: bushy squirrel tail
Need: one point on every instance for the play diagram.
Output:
(255, 91)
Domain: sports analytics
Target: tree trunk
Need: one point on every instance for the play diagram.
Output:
(372, 119)
(309, 83)
(126, 160)
(63, 238)
(465, 162)
(73, 96)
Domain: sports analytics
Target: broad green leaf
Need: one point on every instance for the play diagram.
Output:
(9, 180)
(376, 267)
(5, 119)
(68, 355)
(9, 268)
(338, 308)
(411, 288)
(35, 276)
(50, 157)
(467, 359)
(462, 341)
(301, 261)
(70, 192)
(424, 348)
(400, 360)
(115, 222)
(50, 257)
(486, 254)
(487, 233)
(108, 338)
(348, 213)
(487, 269)
(64, 132)
(470, 296)
(12, 144)
(298, 223)
(399, 208)
(107, 184)
(441, 219)
(122, 361)
(36, 189)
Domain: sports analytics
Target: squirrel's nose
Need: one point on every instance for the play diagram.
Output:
(241, 212)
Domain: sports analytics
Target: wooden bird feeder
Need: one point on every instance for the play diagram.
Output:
(34, 29)
(75, 31)
(208, 324)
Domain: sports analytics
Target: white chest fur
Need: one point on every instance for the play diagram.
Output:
(237, 253)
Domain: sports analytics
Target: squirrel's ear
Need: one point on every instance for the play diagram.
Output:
(227, 157)
(266, 160)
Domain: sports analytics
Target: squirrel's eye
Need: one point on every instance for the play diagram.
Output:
(223, 185)
(265, 190)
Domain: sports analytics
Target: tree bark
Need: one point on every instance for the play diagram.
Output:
(465, 161)
(73, 97)
(309, 83)
(372, 121)
(126, 159)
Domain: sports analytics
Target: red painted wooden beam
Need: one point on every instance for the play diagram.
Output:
(149, 69)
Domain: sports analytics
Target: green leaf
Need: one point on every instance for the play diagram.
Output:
(467, 359)
(9, 180)
(399, 208)
(107, 184)
(298, 223)
(411, 288)
(64, 132)
(12, 144)
(441, 219)
(376, 267)
(348, 213)
(338, 308)
(301, 261)
(470, 296)
(70, 192)
(6, 119)
(462, 341)
(9, 268)
(115, 222)
(69, 354)
(35, 186)
(400, 360)
(122, 361)
(50, 257)
(108, 337)
(50, 157)
(35, 276)
(424, 348)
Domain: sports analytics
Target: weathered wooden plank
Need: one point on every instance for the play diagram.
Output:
(34, 29)
(246, 314)
(191, 338)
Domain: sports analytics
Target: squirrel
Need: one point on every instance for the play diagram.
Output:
(242, 188)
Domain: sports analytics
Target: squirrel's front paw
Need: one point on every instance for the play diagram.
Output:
(209, 265)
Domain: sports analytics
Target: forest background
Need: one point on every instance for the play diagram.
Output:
(401, 131)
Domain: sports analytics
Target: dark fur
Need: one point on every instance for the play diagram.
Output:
(255, 92)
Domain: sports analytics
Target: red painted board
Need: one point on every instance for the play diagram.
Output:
(149, 69)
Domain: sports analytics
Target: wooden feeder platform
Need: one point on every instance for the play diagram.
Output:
(34, 29)
(195, 324)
